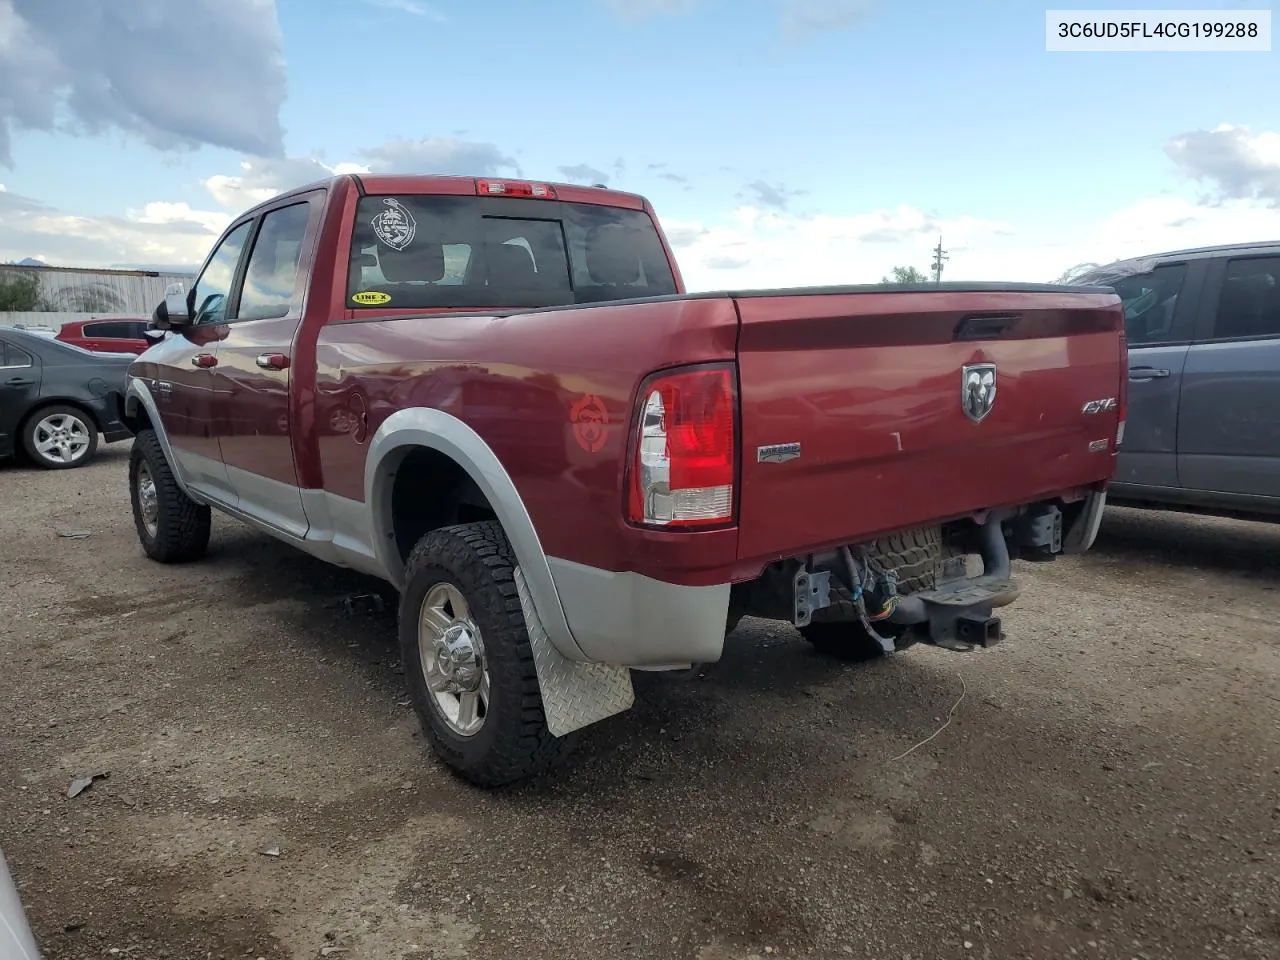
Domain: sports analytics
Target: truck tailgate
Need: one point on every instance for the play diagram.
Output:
(871, 387)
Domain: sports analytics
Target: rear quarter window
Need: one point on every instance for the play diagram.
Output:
(436, 251)
(115, 329)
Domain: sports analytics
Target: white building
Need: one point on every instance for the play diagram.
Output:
(70, 293)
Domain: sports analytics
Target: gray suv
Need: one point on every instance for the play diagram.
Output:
(1203, 430)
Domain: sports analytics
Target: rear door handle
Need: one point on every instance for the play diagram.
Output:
(18, 382)
(272, 361)
(204, 360)
(1146, 373)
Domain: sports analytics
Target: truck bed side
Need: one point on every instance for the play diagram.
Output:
(532, 386)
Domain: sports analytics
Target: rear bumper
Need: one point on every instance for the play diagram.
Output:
(630, 620)
(626, 619)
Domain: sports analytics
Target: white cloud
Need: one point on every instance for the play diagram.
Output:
(771, 196)
(438, 155)
(412, 7)
(638, 9)
(796, 16)
(145, 68)
(812, 16)
(756, 249)
(584, 173)
(762, 243)
(261, 178)
(1234, 161)
(177, 233)
(169, 233)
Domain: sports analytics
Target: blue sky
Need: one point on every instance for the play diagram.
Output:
(863, 138)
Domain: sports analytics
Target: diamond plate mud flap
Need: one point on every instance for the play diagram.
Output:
(574, 695)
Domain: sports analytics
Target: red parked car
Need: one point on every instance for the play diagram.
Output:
(114, 335)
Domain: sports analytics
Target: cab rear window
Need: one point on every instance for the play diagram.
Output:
(448, 251)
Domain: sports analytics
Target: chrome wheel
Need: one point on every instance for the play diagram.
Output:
(453, 662)
(148, 500)
(61, 438)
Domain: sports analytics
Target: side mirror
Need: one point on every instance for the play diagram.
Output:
(173, 311)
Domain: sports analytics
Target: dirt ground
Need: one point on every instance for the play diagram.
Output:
(1109, 785)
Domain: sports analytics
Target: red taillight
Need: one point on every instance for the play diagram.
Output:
(515, 188)
(685, 459)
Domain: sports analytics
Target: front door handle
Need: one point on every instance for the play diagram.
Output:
(273, 361)
(1142, 374)
(204, 360)
(18, 382)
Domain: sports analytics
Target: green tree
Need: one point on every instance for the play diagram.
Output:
(905, 275)
(20, 293)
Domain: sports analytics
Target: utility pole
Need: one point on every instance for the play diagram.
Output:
(939, 256)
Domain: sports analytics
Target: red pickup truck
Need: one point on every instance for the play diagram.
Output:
(497, 396)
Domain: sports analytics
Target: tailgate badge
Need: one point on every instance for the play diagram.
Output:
(777, 452)
(977, 390)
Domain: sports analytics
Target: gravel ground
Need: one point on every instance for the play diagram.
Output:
(1109, 785)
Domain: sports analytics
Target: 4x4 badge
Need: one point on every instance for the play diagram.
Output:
(977, 390)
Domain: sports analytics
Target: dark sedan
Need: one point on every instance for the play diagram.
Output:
(56, 400)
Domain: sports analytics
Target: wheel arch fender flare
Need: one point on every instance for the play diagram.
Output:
(30, 414)
(437, 430)
(138, 394)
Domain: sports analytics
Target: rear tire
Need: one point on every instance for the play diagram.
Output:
(60, 437)
(172, 527)
(468, 661)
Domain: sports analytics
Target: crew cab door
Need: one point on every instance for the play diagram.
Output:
(251, 383)
(179, 370)
(1229, 418)
(1159, 311)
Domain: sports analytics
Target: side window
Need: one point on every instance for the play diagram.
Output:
(111, 330)
(1249, 304)
(213, 287)
(1149, 302)
(272, 274)
(12, 356)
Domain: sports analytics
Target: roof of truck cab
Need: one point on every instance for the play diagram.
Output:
(431, 184)
(1144, 262)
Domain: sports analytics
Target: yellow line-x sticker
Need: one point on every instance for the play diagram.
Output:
(371, 297)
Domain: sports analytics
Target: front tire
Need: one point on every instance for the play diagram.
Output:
(172, 527)
(468, 661)
(60, 437)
